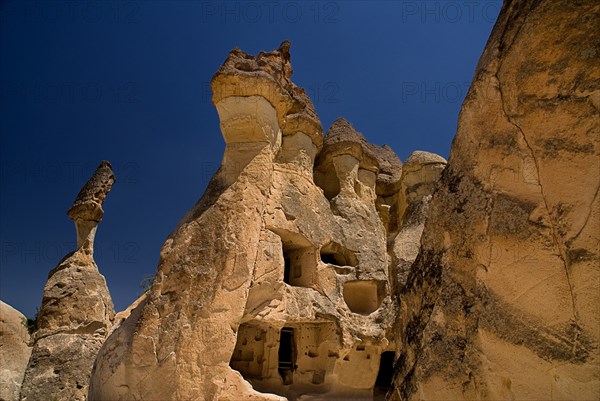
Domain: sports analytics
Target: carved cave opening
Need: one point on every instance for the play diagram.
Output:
(298, 358)
(336, 254)
(363, 296)
(299, 264)
(248, 355)
(287, 267)
(286, 362)
(383, 383)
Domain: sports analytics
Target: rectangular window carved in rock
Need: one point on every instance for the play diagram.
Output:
(299, 265)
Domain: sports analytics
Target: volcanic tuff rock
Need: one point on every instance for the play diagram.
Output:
(14, 351)
(295, 274)
(503, 300)
(274, 282)
(420, 175)
(76, 311)
(87, 210)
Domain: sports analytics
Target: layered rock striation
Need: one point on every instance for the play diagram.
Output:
(503, 300)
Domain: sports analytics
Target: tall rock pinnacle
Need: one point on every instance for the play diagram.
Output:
(77, 310)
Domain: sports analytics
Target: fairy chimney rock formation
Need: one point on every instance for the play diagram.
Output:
(324, 268)
(77, 310)
(276, 283)
(87, 210)
(259, 104)
(15, 350)
(420, 176)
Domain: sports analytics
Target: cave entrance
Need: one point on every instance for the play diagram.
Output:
(298, 257)
(363, 296)
(298, 265)
(336, 254)
(287, 355)
(331, 259)
(383, 383)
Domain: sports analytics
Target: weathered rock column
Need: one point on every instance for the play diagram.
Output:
(277, 280)
(420, 175)
(178, 343)
(77, 309)
(87, 210)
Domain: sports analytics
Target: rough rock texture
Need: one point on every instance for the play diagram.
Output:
(376, 163)
(88, 203)
(14, 351)
(77, 310)
(420, 175)
(87, 210)
(388, 188)
(275, 283)
(503, 300)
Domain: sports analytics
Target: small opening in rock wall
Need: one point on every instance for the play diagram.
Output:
(331, 259)
(296, 269)
(287, 266)
(298, 265)
(363, 296)
(336, 254)
(328, 181)
(287, 355)
(298, 257)
(386, 373)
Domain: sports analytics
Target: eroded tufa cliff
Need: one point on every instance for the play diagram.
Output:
(503, 300)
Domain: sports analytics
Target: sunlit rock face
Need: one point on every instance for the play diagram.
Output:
(420, 175)
(276, 284)
(15, 351)
(503, 300)
(77, 310)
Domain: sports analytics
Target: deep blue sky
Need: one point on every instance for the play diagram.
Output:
(129, 82)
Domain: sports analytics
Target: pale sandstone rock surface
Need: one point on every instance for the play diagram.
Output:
(14, 351)
(77, 310)
(420, 175)
(275, 282)
(503, 300)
